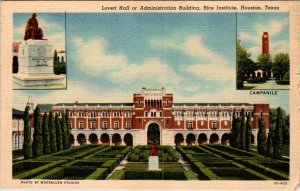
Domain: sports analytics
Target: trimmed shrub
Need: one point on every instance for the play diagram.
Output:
(239, 84)
(54, 174)
(190, 175)
(283, 82)
(99, 174)
(255, 80)
(35, 172)
(110, 164)
(118, 175)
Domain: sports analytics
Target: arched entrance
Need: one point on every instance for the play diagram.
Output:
(128, 139)
(72, 139)
(104, 138)
(190, 139)
(116, 139)
(15, 64)
(153, 134)
(81, 139)
(93, 138)
(178, 139)
(225, 139)
(202, 138)
(214, 138)
(252, 139)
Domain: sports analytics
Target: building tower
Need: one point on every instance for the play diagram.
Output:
(265, 43)
(30, 104)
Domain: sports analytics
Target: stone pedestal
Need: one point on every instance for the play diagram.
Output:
(153, 163)
(36, 65)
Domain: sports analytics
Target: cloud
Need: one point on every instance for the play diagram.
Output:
(94, 59)
(274, 27)
(210, 65)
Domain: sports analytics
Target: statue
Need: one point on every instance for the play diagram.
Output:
(153, 151)
(32, 30)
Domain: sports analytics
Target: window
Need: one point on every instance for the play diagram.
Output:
(178, 122)
(104, 114)
(70, 124)
(92, 124)
(225, 122)
(214, 125)
(190, 125)
(146, 114)
(93, 114)
(104, 125)
(127, 125)
(80, 114)
(80, 125)
(167, 104)
(202, 123)
(116, 114)
(160, 114)
(167, 121)
(139, 102)
(116, 125)
(154, 114)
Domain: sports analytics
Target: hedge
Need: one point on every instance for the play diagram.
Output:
(74, 172)
(205, 173)
(255, 80)
(117, 175)
(81, 162)
(99, 174)
(276, 175)
(110, 164)
(28, 165)
(74, 150)
(85, 153)
(190, 175)
(154, 175)
(34, 172)
(231, 150)
(56, 173)
(283, 82)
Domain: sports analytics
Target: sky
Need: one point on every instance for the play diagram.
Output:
(110, 56)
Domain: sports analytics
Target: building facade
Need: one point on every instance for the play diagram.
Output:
(17, 129)
(154, 117)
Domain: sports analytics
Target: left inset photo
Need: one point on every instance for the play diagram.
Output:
(39, 51)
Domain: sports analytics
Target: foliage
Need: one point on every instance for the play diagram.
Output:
(261, 137)
(52, 130)
(99, 174)
(248, 133)
(244, 63)
(283, 82)
(46, 136)
(242, 130)
(255, 80)
(68, 129)
(27, 145)
(278, 136)
(281, 66)
(269, 151)
(64, 131)
(264, 62)
(239, 84)
(234, 131)
(58, 67)
(37, 144)
(59, 141)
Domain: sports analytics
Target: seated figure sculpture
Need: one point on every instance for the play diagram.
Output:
(153, 151)
(32, 30)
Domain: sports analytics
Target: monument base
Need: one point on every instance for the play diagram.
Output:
(153, 163)
(39, 81)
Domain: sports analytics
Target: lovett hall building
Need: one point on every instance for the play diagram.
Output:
(154, 114)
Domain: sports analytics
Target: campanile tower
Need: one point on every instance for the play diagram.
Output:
(265, 43)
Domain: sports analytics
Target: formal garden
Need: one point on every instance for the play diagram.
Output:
(203, 162)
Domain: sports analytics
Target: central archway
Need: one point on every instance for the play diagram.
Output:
(153, 134)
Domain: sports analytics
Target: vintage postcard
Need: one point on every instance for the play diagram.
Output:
(150, 95)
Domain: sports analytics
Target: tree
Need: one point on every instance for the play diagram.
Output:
(264, 62)
(52, 130)
(244, 63)
(59, 141)
(46, 136)
(281, 65)
(286, 130)
(261, 137)
(248, 133)
(270, 139)
(235, 131)
(27, 144)
(55, 60)
(242, 130)
(68, 128)
(278, 137)
(37, 144)
(64, 131)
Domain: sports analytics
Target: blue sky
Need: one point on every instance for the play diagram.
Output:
(112, 55)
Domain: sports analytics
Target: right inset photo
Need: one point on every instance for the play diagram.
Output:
(262, 51)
